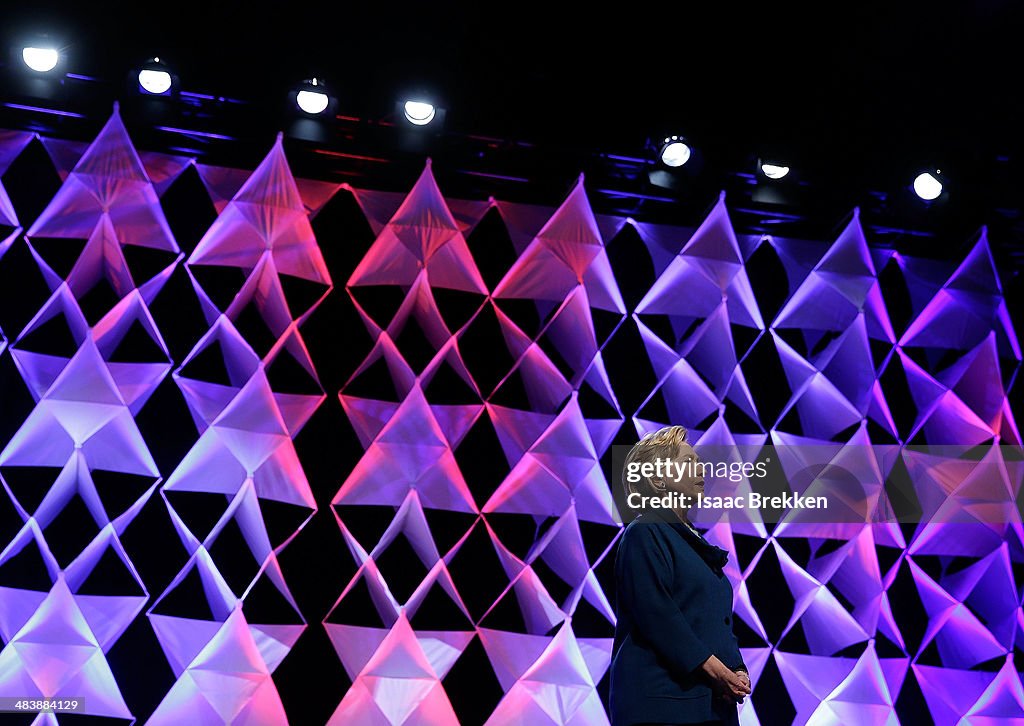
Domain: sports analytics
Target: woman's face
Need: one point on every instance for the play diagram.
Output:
(686, 478)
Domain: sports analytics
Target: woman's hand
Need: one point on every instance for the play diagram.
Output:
(725, 681)
(746, 679)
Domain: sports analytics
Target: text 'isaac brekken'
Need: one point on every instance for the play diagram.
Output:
(673, 500)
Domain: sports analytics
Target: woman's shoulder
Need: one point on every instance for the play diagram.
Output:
(644, 530)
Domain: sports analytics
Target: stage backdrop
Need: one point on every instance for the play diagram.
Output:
(435, 546)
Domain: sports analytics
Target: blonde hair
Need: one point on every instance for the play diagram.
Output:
(661, 444)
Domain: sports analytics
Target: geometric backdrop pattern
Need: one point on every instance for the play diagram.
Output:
(244, 456)
(552, 445)
(840, 357)
(478, 516)
(87, 391)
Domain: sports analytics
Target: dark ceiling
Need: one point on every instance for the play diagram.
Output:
(839, 80)
(858, 96)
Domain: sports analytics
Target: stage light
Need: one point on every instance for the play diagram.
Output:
(312, 99)
(41, 60)
(674, 152)
(927, 187)
(155, 78)
(155, 82)
(774, 171)
(419, 113)
(419, 116)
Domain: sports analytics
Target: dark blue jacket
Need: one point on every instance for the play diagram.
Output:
(674, 610)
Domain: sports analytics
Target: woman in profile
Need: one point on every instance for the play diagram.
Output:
(675, 659)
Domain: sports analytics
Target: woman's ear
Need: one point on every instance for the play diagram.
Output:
(658, 484)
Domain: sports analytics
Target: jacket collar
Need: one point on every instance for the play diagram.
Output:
(715, 556)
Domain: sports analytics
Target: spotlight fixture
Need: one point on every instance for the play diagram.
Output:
(674, 152)
(312, 97)
(40, 59)
(419, 113)
(774, 171)
(776, 184)
(927, 186)
(155, 78)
